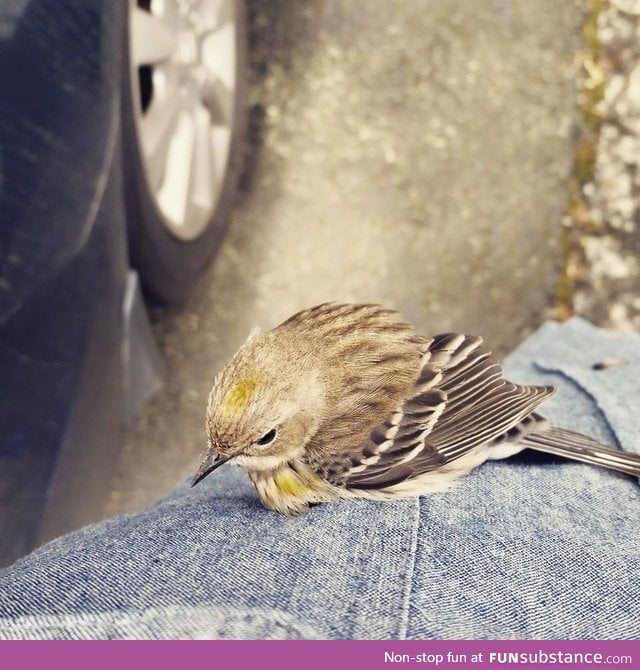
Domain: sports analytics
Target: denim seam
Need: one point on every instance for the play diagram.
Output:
(360, 588)
(406, 601)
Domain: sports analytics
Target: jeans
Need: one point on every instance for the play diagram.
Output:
(530, 547)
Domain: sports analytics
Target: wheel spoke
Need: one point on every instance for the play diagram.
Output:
(203, 185)
(218, 54)
(173, 195)
(203, 176)
(152, 40)
(158, 126)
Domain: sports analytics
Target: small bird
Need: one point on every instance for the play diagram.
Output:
(347, 400)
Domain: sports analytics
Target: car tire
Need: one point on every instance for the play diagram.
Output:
(171, 254)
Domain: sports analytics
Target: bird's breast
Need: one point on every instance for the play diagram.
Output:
(290, 490)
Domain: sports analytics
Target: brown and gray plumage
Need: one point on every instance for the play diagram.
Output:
(347, 400)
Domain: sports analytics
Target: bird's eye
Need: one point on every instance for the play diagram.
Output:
(267, 438)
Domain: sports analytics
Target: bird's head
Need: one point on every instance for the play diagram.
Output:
(264, 406)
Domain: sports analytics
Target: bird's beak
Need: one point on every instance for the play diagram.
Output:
(211, 462)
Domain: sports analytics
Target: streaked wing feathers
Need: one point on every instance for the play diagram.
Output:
(461, 401)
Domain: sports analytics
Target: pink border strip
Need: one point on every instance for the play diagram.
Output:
(315, 655)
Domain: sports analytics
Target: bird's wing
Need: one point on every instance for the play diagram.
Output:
(460, 401)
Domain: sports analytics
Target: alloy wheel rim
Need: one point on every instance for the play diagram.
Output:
(183, 74)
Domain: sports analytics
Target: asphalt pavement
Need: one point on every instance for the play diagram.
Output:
(408, 152)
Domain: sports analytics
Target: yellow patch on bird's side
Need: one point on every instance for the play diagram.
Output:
(237, 398)
(290, 484)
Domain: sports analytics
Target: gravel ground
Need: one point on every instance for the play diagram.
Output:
(609, 290)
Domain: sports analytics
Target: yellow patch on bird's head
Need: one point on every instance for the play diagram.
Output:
(238, 396)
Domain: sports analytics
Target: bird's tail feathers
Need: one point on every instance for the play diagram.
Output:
(569, 444)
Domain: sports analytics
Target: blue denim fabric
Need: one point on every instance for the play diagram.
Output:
(534, 547)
